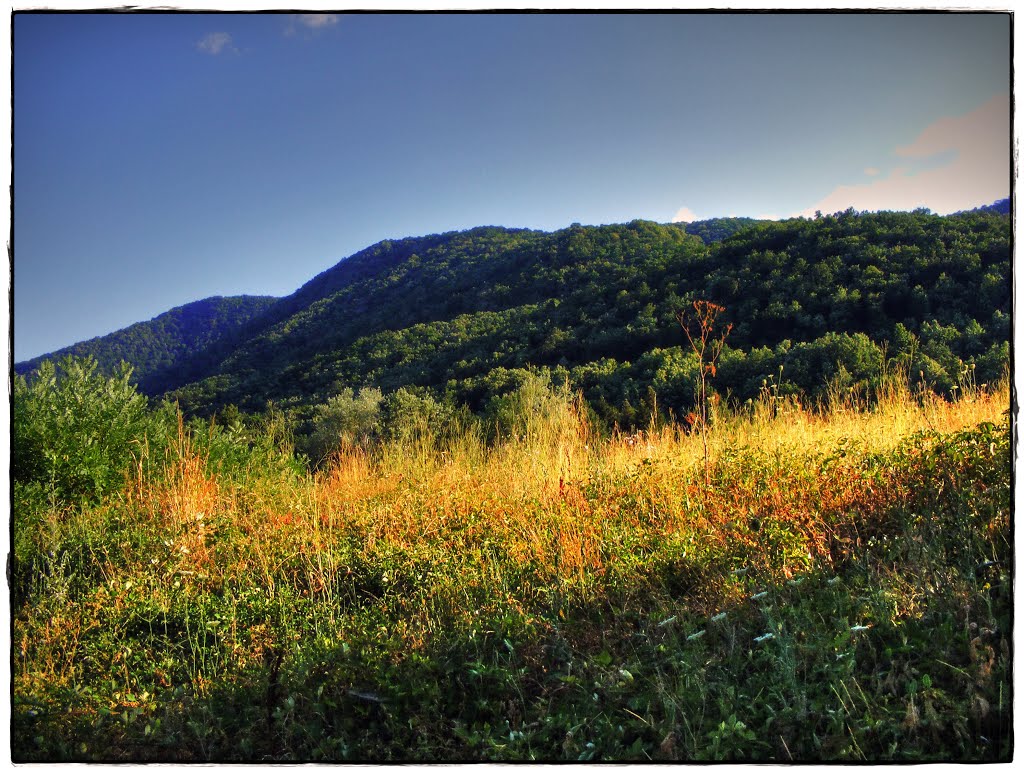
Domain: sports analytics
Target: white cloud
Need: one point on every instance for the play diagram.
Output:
(318, 20)
(977, 170)
(311, 21)
(685, 214)
(215, 42)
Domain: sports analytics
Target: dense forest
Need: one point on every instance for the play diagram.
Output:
(165, 341)
(816, 306)
(718, 228)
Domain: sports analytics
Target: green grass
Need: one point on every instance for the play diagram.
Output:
(840, 592)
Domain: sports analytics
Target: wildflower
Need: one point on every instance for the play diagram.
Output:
(763, 638)
(718, 617)
(759, 595)
(695, 635)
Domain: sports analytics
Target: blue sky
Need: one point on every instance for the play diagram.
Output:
(160, 159)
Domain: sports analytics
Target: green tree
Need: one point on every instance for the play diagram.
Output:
(407, 415)
(345, 420)
(535, 409)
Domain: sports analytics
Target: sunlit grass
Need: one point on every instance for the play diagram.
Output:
(531, 573)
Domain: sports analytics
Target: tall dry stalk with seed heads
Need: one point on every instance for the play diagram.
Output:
(707, 339)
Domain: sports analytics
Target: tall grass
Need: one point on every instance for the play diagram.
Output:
(552, 594)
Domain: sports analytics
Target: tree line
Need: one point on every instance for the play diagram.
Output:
(837, 302)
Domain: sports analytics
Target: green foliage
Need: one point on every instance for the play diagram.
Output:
(422, 312)
(74, 431)
(230, 605)
(166, 342)
(345, 420)
(849, 273)
(944, 511)
(839, 360)
(719, 228)
(236, 446)
(451, 313)
(137, 636)
(533, 409)
(407, 415)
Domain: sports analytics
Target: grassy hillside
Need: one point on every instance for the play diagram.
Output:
(164, 342)
(810, 585)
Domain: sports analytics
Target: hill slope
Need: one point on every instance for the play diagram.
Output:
(719, 228)
(835, 302)
(164, 341)
(464, 313)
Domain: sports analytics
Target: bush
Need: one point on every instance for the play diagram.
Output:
(345, 419)
(407, 415)
(75, 432)
(535, 409)
(850, 361)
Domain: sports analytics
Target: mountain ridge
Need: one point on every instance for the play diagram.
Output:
(164, 340)
(464, 313)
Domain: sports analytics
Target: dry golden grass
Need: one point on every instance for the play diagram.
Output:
(188, 500)
(526, 496)
(221, 569)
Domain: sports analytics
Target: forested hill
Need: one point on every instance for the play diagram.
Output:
(165, 341)
(835, 300)
(718, 228)
(422, 311)
(1002, 206)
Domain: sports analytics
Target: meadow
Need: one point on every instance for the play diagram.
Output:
(825, 582)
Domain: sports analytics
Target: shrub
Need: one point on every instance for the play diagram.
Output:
(345, 419)
(835, 358)
(74, 431)
(407, 415)
(536, 408)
